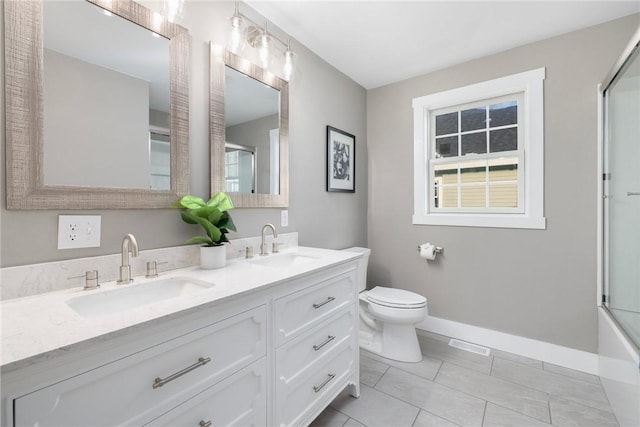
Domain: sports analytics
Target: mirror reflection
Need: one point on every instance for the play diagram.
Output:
(252, 135)
(106, 100)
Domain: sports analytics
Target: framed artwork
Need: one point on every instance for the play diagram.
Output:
(341, 161)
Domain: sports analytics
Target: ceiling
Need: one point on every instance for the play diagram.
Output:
(380, 42)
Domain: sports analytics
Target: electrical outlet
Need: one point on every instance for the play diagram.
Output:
(284, 218)
(78, 231)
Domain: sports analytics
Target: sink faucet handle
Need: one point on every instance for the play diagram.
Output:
(275, 247)
(152, 269)
(90, 279)
(248, 252)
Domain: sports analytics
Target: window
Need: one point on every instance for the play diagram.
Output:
(231, 172)
(478, 154)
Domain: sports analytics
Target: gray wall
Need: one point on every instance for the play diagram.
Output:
(539, 284)
(319, 95)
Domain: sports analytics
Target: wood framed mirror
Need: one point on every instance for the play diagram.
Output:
(85, 134)
(249, 108)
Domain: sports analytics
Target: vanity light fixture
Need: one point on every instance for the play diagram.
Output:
(173, 9)
(236, 44)
(258, 38)
(288, 62)
(263, 47)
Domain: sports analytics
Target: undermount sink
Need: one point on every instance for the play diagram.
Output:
(284, 260)
(102, 303)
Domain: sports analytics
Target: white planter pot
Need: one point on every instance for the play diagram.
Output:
(213, 256)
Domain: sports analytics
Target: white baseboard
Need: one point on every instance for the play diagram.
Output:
(534, 349)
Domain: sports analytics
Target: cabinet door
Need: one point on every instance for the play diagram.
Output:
(137, 388)
(298, 311)
(240, 400)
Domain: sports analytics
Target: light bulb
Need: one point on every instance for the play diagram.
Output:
(236, 43)
(263, 50)
(288, 64)
(173, 9)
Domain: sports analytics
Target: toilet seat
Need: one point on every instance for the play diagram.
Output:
(395, 298)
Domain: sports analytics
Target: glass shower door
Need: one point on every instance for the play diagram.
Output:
(622, 196)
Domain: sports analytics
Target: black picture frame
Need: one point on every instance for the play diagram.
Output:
(341, 161)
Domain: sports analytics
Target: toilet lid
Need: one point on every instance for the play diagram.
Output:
(392, 297)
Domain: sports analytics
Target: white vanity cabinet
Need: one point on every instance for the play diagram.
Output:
(275, 355)
(134, 389)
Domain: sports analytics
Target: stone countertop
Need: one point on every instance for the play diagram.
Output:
(37, 327)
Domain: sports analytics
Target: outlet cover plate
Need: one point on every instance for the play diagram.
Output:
(78, 231)
(284, 218)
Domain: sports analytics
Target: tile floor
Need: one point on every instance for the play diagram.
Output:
(452, 387)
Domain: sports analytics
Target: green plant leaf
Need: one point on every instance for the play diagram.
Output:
(200, 239)
(226, 222)
(215, 217)
(212, 231)
(188, 217)
(221, 201)
(192, 202)
(204, 212)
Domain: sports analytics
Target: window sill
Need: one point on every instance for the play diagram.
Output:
(488, 220)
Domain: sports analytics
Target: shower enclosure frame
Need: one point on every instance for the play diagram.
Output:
(602, 243)
(618, 354)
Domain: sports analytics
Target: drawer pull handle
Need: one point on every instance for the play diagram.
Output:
(317, 388)
(159, 382)
(205, 423)
(327, 301)
(323, 343)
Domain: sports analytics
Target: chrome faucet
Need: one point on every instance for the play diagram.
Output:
(263, 245)
(129, 244)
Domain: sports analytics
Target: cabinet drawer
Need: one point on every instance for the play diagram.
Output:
(123, 392)
(295, 312)
(240, 400)
(325, 379)
(297, 355)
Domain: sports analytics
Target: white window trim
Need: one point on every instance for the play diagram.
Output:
(531, 84)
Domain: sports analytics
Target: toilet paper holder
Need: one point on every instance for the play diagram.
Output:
(436, 249)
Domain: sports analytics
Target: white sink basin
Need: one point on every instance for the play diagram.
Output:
(102, 303)
(284, 260)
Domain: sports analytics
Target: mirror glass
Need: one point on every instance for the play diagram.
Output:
(97, 106)
(252, 143)
(249, 132)
(106, 99)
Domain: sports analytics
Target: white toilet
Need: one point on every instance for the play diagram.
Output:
(388, 317)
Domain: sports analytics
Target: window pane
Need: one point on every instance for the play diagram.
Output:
(473, 172)
(473, 196)
(447, 146)
(474, 143)
(473, 119)
(504, 113)
(503, 169)
(447, 123)
(446, 174)
(503, 140)
(447, 196)
(503, 195)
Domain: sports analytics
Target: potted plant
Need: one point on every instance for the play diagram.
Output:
(214, 217)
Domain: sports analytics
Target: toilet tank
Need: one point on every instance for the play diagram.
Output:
(362, 266)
